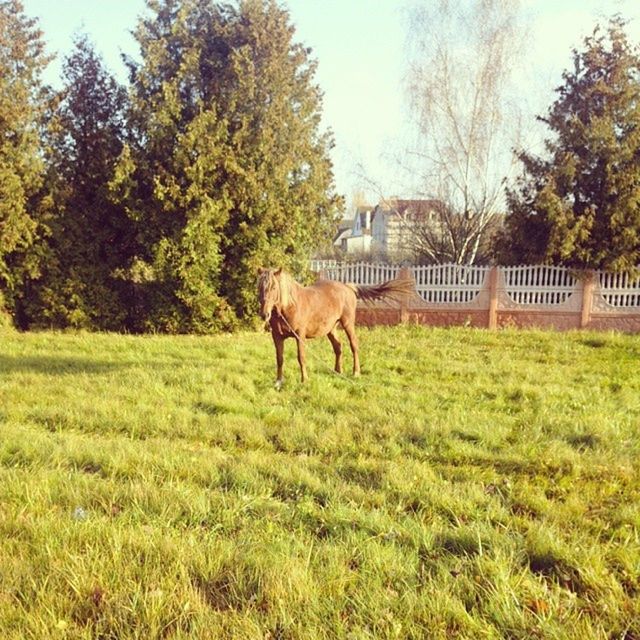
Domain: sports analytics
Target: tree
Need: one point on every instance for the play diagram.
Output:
(459, 86)
(226, 168)
(451, 237)
(23, 102)
(283, 206)
(581, 205)
(89, 238)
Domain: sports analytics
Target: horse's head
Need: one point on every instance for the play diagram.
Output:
(269, 295)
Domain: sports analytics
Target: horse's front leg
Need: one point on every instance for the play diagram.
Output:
(302, 359)
(278, 341)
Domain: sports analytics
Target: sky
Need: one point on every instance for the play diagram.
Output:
(361, 49)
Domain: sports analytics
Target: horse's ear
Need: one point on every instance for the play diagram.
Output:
(261, 270)
(277, 272)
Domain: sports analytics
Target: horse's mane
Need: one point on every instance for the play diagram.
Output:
(288, 289)
(287, 286)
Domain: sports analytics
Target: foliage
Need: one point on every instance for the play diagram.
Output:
(22, 104)
(581, 205)
(226, 169)
(160, 487)
(88, 236)
(283, 206)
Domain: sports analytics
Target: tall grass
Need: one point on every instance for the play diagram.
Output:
(470, 484)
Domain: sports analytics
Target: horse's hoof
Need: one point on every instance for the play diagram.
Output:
(278, 385)
(356, 374)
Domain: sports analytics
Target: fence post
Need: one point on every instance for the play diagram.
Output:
(493, 298)
(587, 299)
(405, 274)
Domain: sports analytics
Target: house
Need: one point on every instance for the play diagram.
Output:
(355, 235)
(343, 233)
(395, 221)
(388, 228)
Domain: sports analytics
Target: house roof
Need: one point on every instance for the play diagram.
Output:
(413, 209)
(341, 235)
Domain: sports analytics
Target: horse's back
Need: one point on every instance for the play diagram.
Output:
(324, 303)
(331, 286)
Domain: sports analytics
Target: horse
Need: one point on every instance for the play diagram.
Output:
(294, 311)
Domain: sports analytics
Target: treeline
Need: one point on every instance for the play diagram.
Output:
(150, 207)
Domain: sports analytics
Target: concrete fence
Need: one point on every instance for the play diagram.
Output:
(521, 296)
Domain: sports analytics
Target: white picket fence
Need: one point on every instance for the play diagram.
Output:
(366, 273)
(448, 283)
(525, 284)
(539, 284)
(619, 290)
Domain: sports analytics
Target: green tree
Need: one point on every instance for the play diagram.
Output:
(171, 173)
(280, 188)
(226, 168)
(89, 238)
(581, 205)
(23, 102)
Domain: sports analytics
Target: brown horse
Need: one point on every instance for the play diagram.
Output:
(294, 311)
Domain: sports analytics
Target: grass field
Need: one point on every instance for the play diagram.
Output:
(470, 484)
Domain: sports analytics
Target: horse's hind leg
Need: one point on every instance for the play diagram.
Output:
(349, 328)
(337, 349)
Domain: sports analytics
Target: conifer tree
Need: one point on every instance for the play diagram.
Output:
(22, 105)
(89, 236)
(226, 168)
(170, 174)
(581, 205)
(281, 201)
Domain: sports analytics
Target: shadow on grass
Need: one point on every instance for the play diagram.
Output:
(466, 437)
(558, 570)
(594, 343)
(54, 365)
(509, 466)
(461, 543)
(212, 409)
(584, 441)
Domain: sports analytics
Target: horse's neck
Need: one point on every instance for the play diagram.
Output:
(288, 309)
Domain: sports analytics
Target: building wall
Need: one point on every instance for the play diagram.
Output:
(379, 230)
(358, 244)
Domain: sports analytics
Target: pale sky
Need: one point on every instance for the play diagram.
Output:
(360, 46)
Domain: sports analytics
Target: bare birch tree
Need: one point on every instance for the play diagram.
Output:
(462, 61)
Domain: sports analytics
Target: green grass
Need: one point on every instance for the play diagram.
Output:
(470, 484)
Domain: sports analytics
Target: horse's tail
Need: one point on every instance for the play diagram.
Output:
(390, 290)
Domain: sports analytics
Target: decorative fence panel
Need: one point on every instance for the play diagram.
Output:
(449, 283)
(322, 265)
(526, 295)
(366, 273)
(619, 290)
(539, 285)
